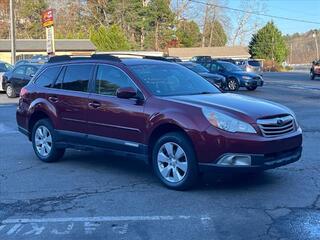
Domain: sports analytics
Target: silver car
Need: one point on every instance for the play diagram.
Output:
(4, 67)
(251, 65)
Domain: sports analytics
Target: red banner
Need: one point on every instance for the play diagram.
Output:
(47, 18)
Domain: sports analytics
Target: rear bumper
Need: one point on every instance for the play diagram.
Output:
(259, 162)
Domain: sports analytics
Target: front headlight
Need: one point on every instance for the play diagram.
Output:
(295, 119)
(226, 122)
(246, 77)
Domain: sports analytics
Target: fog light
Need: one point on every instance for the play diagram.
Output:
(235, 160)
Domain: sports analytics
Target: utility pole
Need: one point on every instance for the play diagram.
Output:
(291, 49)
(314, 35)
(12, 33)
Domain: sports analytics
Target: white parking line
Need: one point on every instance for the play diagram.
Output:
(95, 219)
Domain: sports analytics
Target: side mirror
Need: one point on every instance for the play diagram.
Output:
(126, 92)
(32, 75)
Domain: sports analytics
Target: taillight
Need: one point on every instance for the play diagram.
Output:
(23, 92)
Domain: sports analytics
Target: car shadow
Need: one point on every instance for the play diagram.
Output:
(102, 161)
(239, 181)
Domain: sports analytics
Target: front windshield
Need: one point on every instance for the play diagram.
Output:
(197, 68)
(172, 80)
(230, 67)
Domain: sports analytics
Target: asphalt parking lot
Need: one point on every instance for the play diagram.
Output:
(91, 195)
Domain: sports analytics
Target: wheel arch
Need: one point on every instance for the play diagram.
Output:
(34, 118)
(161, 130)
(234, 77)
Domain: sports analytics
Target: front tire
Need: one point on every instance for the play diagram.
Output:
(174, 161)
(233, 84)
(44, 142)
(252, 88)
(312, 76)
(11, 93)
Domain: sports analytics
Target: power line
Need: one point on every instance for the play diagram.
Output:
(254, 13)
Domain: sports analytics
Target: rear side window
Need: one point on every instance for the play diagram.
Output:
(76, 77)
(254, 63)
(109, 79)
(48, 76)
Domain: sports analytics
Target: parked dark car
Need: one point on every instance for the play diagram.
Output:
(4, 67)
(201, 59)
(216, 79)
(167, 59)
(315, 70)
(161, 112)
(22, 61)
(235, 76)
(18, 77)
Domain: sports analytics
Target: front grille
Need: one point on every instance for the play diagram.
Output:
(277, 126)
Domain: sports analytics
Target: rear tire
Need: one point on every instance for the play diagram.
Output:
(174, 161)
(11, 93)
(44, 142)
(233, 84)
(252, 88)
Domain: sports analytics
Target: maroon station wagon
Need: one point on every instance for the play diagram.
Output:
(157, 111)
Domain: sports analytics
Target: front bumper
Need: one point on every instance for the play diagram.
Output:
(252, 83)
(259, 162)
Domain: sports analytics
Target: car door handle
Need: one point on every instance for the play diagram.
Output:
(94, 104)
(53, 99)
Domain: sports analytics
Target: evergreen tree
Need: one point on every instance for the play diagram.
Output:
(188, 34)
(160, 20)
(109, 39)
(268, 43)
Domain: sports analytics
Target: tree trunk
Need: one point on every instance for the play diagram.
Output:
(142, 39)
(211, 34)
(204, 26)
(156, 35)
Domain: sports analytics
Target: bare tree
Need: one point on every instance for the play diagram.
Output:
(205, 22)
(246, 22)
(180, 7)
(213, 14)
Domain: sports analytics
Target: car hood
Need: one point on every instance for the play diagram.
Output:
(211, 75)
(247, 108)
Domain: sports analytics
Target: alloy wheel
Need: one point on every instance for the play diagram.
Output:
(172, 162)
(9, 91)
(43, 141)
(232, 85)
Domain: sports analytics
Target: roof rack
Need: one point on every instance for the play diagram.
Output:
(66, 58)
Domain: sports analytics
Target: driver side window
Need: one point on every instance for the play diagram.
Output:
(214, 67)
(109, 79)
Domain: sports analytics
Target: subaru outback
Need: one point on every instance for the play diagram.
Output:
(157, 111)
